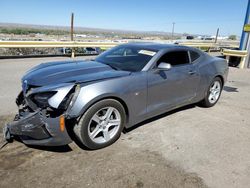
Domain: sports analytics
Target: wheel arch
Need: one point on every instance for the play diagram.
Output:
(125, 106)
(121, 101)
(221, 78)
(208, 82)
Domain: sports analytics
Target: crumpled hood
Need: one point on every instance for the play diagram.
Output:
(69, 71)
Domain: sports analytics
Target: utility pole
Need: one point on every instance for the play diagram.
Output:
(173, 31)
(217, 34)
(244, 36)
(72, 27)
(72, 34)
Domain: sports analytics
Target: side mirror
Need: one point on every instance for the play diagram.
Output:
(164, 66)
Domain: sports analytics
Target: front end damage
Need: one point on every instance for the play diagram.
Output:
(42, 118)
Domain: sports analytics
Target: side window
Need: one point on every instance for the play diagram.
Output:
(194, 55)
(175, 58)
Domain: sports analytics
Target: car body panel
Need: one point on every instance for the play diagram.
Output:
(36, 129)
(132, 91)
(69, 71)
(180, 86)
(143, 94)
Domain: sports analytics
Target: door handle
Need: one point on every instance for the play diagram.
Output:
(191, 72)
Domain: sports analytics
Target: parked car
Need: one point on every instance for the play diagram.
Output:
(120, 88)
(190, 37)
(85, 51)
(92, 51)
(65, 50)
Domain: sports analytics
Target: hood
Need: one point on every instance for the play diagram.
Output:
(70, 71)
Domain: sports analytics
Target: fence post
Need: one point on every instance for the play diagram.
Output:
(242, 62)
(73, 53)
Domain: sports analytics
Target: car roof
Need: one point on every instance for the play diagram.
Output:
(154, 46)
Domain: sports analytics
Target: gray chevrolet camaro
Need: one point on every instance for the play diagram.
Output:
(95, 100)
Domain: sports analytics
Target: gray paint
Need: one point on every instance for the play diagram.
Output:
(146, 93)
(149, 92)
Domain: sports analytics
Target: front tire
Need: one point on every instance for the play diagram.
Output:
(213, 93)
(101, 125)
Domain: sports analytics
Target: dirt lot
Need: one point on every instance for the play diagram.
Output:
(189, 147)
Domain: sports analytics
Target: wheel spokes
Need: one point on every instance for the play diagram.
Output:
(108, 113)
(95, 132)
(217, 89)
(96, 118)
(113, 122)
(211, 97)
(106, 134)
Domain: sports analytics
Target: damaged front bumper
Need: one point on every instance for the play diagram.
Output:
(35, 128)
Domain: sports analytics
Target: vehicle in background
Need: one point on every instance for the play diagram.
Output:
(207, 38)
(82, 51)
(190, 37)
(92, 51)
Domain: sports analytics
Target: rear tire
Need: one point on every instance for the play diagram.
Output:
(101, 125)
(213, 93)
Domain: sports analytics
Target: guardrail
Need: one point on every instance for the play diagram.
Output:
(198, 44)
(209, 46)
(236, 53)
(56, 44)
(77, 44)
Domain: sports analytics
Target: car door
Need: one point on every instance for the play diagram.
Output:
(174, 87)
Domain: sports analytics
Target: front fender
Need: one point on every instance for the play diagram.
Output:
(86, 98)
(132, 90)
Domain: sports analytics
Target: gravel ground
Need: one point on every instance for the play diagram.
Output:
(189, 147)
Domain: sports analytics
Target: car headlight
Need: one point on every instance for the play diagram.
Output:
(41, 99)
(74, 97)
(70, 98)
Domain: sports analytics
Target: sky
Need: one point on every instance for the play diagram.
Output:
(192, 16)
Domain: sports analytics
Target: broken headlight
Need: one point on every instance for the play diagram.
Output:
(74, 97)
(41, 99)
(70, 98)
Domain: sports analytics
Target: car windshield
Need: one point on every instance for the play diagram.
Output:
(127, 58)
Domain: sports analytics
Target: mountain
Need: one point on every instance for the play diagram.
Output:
(82, 29)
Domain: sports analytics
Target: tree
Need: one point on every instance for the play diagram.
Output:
(232, 37)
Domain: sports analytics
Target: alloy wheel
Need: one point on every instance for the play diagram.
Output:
(104, 125)
(214, 92)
